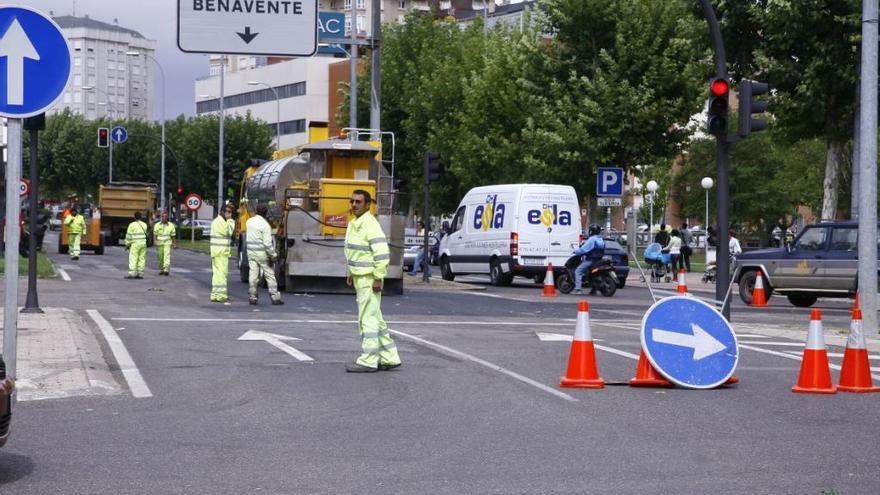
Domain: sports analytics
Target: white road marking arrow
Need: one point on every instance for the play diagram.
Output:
(703, 344)
(16, 46)
(277, 341)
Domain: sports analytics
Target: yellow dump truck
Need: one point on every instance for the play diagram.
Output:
(118, 201)
(308, 199)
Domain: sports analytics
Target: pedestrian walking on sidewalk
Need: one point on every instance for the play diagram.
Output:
(136, 245)
(76, 229)
(261, 256)
(367, 256)
(165, 235)
(687, 241)
(221, 233)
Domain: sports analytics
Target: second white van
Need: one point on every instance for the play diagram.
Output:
(511, 230)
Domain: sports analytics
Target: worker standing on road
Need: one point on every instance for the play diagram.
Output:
(76, 228)
(367, 256)
(261, 255)
(165, 235)
(136, 244)
(221, 234)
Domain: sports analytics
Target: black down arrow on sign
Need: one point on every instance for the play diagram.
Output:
(247, 35)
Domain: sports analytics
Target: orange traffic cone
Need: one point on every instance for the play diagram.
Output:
(856, 302)
(815, 377)
(855, 374)
(647, 376)
(682, 282)
(582, 370)
(549, 285)
(759, 297)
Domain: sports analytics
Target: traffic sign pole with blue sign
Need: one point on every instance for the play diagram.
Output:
(34, 71)
(689, 342)
(118, 134)
(609, 182)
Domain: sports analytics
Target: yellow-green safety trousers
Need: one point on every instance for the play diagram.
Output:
(221, 233)
(136, 242)
(377, 346)
(163, 234)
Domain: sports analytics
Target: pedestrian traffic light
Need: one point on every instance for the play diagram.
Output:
(433, 167)
(748, 106)
(719, 93)
(103, 137)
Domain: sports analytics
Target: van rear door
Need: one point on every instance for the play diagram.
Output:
(549, 224)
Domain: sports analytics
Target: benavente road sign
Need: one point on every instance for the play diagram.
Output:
(37, 62)
(249, 27)
(119, 134)
(689, 342)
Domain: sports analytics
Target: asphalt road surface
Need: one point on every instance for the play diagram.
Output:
(475, 408)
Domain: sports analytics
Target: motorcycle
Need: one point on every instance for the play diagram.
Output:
(600, 276)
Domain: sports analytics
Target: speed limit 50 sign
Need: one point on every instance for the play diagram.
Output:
(193, 202)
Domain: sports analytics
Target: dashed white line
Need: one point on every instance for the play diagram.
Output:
(64, 275)
(791, 355)
(130, 372)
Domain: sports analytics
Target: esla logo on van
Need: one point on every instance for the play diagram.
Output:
(548, 215)
(490, 215)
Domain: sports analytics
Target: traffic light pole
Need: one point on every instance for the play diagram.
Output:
(426, 253)
(722, 149)
(32, 304)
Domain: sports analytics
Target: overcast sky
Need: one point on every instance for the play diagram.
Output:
(156, 20)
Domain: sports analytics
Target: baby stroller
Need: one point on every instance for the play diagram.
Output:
(659, 262)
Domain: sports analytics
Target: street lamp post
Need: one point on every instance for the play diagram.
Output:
(162, 147)
(277, 111)
(110, 143)
(707, 184)
(652, 187)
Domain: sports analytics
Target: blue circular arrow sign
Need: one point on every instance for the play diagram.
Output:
(119, 134)
(34, 62)
(689, 342)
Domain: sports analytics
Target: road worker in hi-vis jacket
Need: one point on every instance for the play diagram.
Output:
(165, 235)
(367, 256)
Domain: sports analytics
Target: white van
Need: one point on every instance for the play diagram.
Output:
(512, 229)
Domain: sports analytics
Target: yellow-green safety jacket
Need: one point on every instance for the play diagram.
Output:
(76, 224)
(221, 234)
(136, 233)
(366, 249)
(163, 233)
(260, 241)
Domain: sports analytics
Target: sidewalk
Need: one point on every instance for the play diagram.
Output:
(59, 355)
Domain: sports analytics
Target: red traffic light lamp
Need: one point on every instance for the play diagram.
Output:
(719, 87)
(719, 94)
(103, 137)
(180, 190)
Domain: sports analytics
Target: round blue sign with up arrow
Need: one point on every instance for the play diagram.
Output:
(689, 342)
(34, 62)
(119, 134)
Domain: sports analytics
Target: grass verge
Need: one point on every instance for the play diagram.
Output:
(45, 268)
(200, 246)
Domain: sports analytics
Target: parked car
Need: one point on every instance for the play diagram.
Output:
(7, 385)
(821, 262)
(205, 225)
(55, 217)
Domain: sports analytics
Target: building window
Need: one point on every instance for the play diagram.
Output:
(361, 4)
(77, 46)
(347, 25)
(135, 69)
(401, 4)
(91, 97)
(252, 97)
(77, 97)
(111, 65)
(347, 5)
(66, 97)
(91, 62)
(91, 81)
(77, 61)
(361, 23)
(291, 127)
(78, 80)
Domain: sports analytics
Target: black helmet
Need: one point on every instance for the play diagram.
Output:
(594, 229)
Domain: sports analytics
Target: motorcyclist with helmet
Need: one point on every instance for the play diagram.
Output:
(591, 250)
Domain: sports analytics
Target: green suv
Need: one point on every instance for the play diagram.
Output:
(821, 262)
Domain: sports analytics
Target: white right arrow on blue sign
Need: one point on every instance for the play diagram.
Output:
(703, 344)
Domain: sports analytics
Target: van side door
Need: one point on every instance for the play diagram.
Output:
(455, 244)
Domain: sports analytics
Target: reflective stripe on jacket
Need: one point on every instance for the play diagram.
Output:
(164, 232)
(136, 233)
(260, 241)
(76, 224)
(366, 249)
(221, 233)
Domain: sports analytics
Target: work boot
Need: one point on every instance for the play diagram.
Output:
(388, 367)
(252, 301)
(130, 276)
(357, 368)
(277, 302)
(139, 276)
(578, 292)
(75, 258)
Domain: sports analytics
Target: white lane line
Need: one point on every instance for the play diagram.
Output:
(764, 342)
(132, 375)
(396, 322)
(183, 270)
(487, 364)
(752, 336)
(840, 355)
(617, 351)
(64, 275)
(791, 356)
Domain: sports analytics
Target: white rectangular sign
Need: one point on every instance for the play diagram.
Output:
(249, 27)
(610, 201)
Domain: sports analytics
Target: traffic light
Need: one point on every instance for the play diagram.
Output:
(748, 106)
(103, 137)
(719, 93)
(180, 190)
(433, 167)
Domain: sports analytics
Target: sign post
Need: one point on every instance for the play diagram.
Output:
(193, 202)
(27, 35)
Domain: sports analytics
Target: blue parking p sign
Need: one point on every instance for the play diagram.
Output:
(689, 342)
(609, 182)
